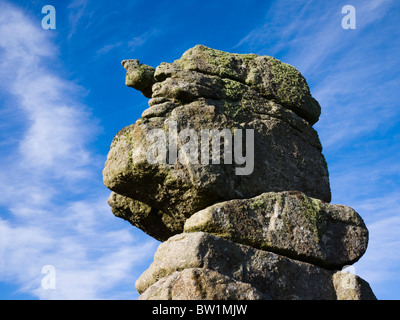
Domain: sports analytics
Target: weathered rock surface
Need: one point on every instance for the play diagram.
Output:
(201, 284)
(194, 93)
(269, 77)
(225, 168)
(273, 275)
(349, 286)
(289, 223)
(156, 223)
(139, 76)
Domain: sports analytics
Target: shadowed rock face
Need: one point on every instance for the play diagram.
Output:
(209, 89)
(226, 169)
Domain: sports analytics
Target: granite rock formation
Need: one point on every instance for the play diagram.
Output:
(225, 169)
(210, 89)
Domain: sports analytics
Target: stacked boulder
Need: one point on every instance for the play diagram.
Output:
(253, 222)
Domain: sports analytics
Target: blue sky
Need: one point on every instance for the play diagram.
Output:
(63, 98)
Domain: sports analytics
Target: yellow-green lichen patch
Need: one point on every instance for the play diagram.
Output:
(212, 61)
(232, 109)
(290, 84)
(292, 90)
(311, 210)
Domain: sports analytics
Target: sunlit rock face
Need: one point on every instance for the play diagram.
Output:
(226, 169)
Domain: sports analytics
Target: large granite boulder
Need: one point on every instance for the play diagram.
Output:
(227, 75)
(261, 112)
(289, 223)
(273, 276)
(201, 284)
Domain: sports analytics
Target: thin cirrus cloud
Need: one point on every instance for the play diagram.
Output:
(350, 71)
(130, 44)
(47, 172)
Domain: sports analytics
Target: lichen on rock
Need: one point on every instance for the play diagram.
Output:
(139, 76)
(211, 89)
(268, 233)
(288, 223)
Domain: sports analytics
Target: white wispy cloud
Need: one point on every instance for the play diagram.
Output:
(77, 11)
(53, 210)
(108, 47)
(130, 44)
(306, 33)
(142, 39)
